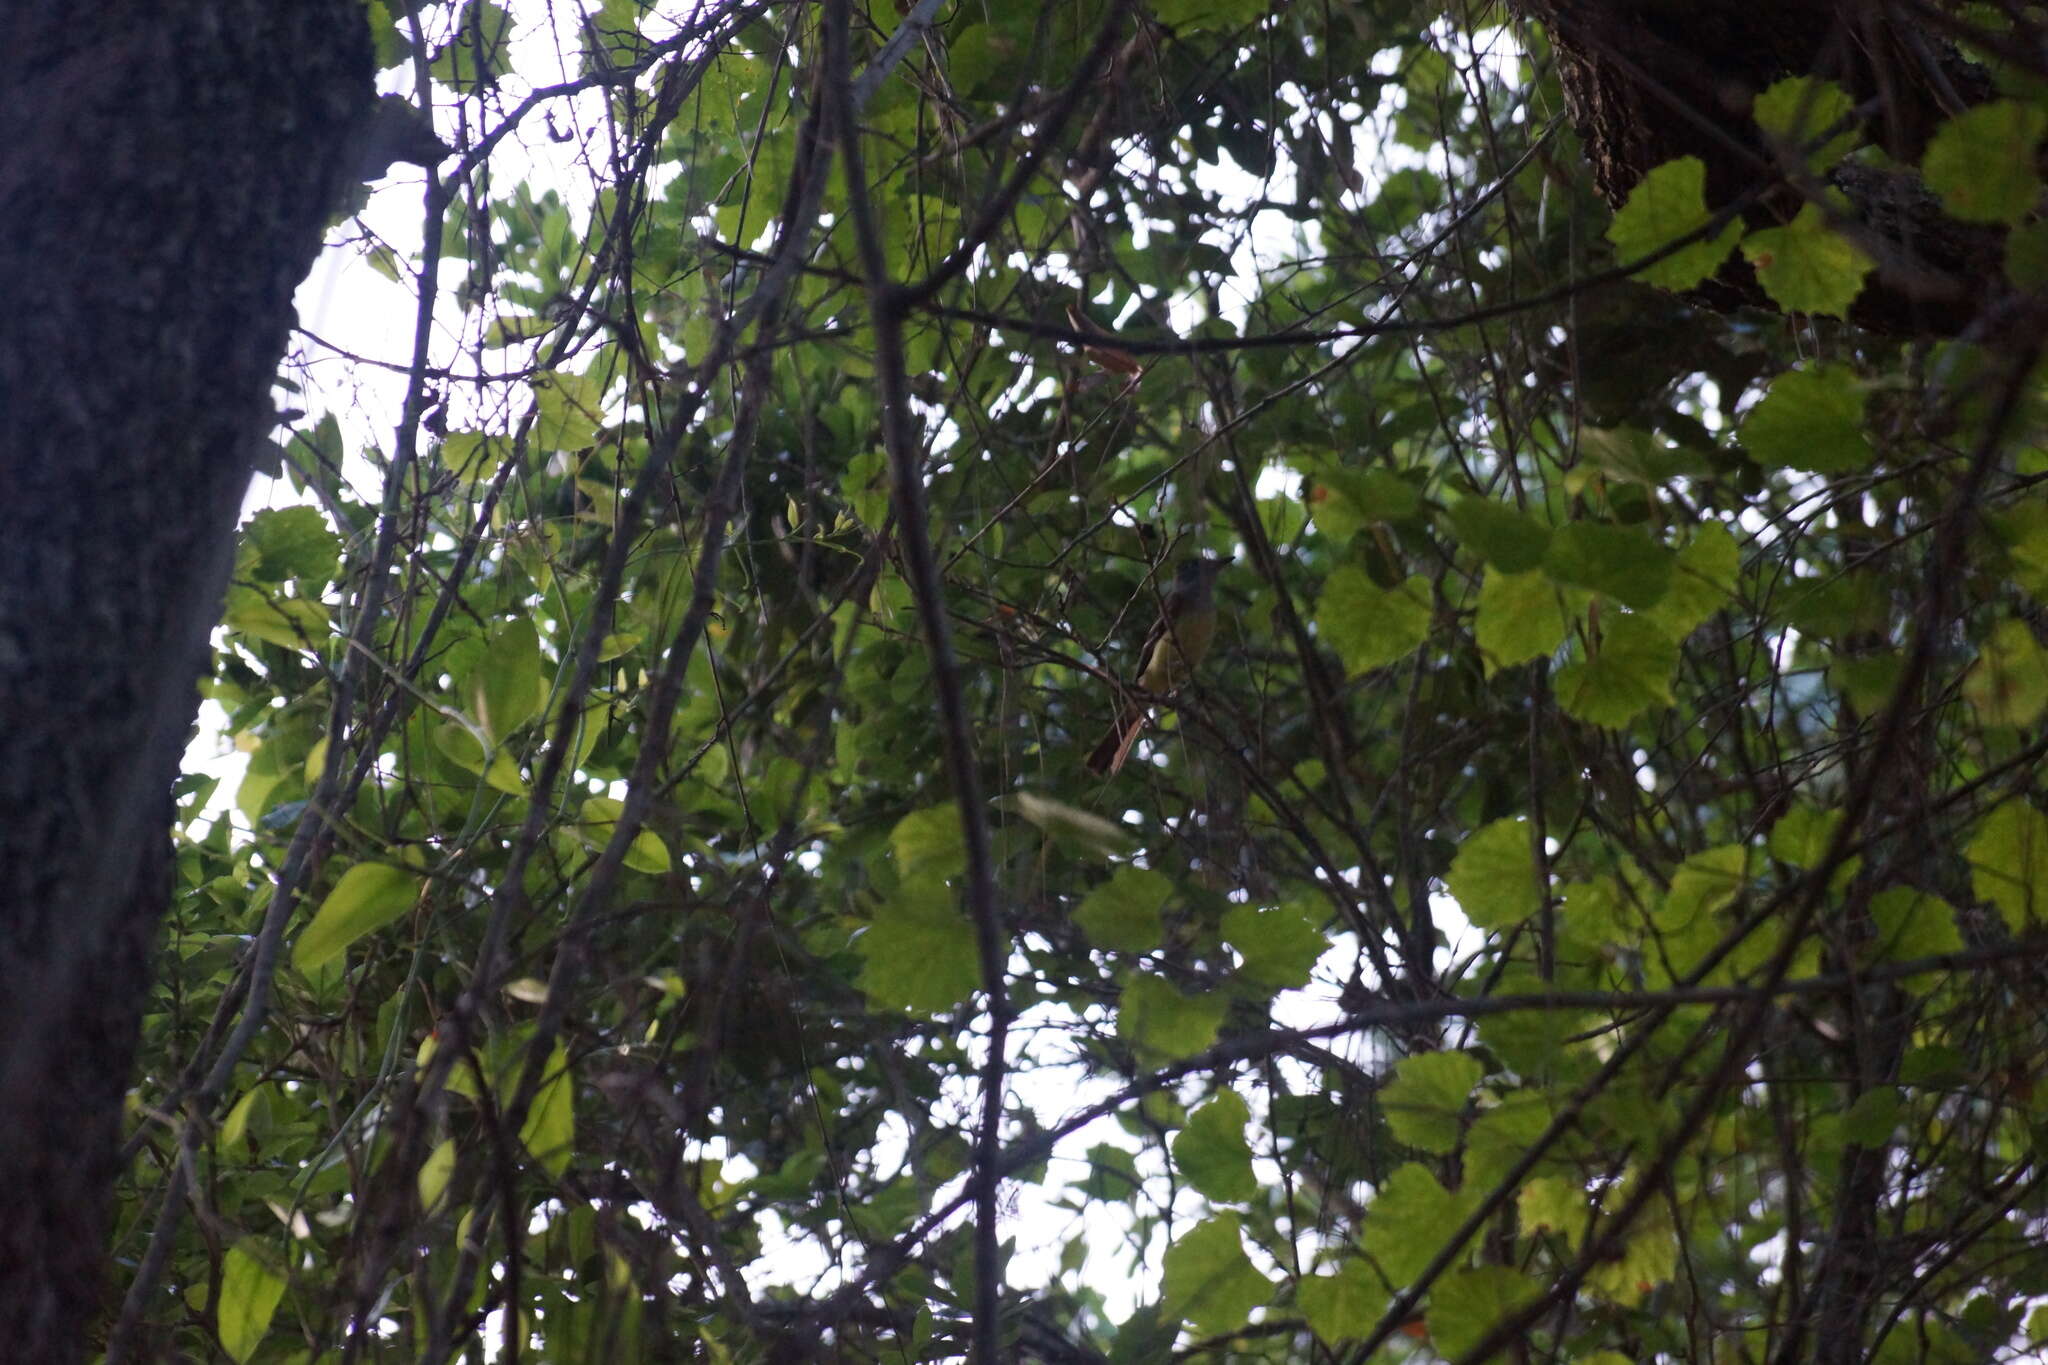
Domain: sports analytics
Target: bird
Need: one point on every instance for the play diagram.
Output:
(1172, 650)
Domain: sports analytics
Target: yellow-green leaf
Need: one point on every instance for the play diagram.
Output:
(1155, 1017)
(1211, 1151)
(1409, 1219)
(1621, 561)
(1519, 619)
(249, 1294)
(366, 898)
(646, 853)
(1702, 581)
(508, 685)
(1981, 161)
(1669, 203)
(1797, 110)
(1347, 1304)
(1466, 1305)
(1806, 266)
(1426, 1101)
(1123, 913)
(434, 1175)
(929, 842)
(1629, 673)
(1493, 878)
(2008, 685)
(1279, 944)
(289, 622)
(919, 951)
(1509, 540)
(549, 1133)
(2009, 864)
(1209, 1279)
(1370, 626)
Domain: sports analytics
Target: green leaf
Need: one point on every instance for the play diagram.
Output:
(865, 486)
(1508, 540)
(291, 544)
(1647, 1259)
(1280, 944)
(2009, 864)
(1632, 455)
(366, 898)
(472, 456)
(549, 1133)
(2025, 530)
(1465, 1306)
(1554, 1206)
(1369, 626)
(1343, 501)
(289, 622)
(479, 53)
(1194, 16)
(1209, 1279)
(1620, 561)
(1911, 924)
(1380, 495)
(249, 1294)
(1122, 914)
(1802, 835)
(929, 843)
(2026, 256)
(919, 951)
(1345, 1305)
(1629, 673)
(1502, 1133)
(508, 687)
(435, 1173)
(460, 745)
(1981, 161)
(1153, 1017)
(253, 1107)
(975, 56)
(1519, 619)
(2008, 684)
(1211, 1152)
(1112, 1174)
(1408, 1221)
(1872, 1119)
(600, 814)
(571, 410)
(1798, 109)
(1702, 581)
(1493, 878)
(1806, 266)
(1704, 884)
(1427, 1099)
(1669, 203)
(1689, 922)
(391, 46)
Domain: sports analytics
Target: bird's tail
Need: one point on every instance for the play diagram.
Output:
(1106, 759)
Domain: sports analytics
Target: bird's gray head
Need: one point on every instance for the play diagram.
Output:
(1200, 570)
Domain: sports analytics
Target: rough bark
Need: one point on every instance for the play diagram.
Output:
(1649, 80)
(165, 173)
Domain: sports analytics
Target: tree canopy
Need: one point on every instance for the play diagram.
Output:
(1584, 907)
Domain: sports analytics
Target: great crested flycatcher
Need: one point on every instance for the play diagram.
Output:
(1172, 650)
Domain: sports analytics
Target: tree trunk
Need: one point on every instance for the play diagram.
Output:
(165, 174)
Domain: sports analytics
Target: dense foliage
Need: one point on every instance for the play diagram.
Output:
(1585, 907)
